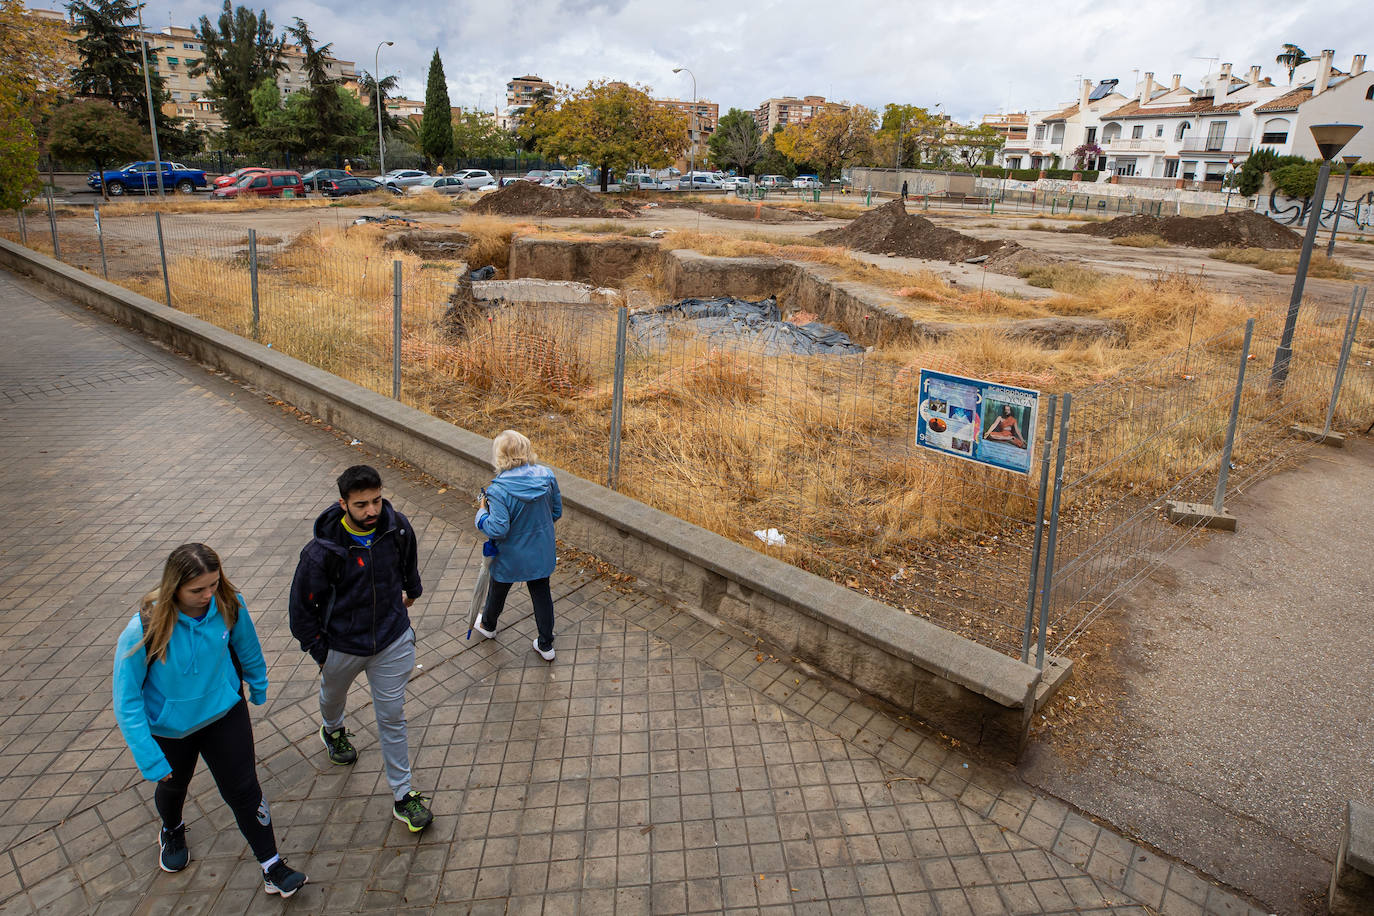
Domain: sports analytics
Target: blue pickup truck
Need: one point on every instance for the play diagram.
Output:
(142, 176)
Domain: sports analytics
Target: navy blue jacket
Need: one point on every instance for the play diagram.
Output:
(522, 505)
(369, 613)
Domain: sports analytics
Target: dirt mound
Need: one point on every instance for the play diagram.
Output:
(525, 198)
(1242, 229)
(745, 211)
(890, 230)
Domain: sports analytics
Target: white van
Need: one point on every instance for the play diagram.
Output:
(643, 181)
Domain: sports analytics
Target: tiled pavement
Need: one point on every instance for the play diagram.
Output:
(658, 766)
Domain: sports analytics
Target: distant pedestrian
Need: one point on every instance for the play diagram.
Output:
(903, 190)
(348, 167)
(348, 612)
(178, 697)
(517, 512)
(440, 169)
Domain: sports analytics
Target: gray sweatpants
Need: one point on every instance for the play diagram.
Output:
(388, 672)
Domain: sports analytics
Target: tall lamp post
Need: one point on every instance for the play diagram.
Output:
(1331, 139)
(691, 122)
(1340, 202)
(152, 114)
(377, 92)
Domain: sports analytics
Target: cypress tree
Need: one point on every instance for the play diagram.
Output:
(436, 127)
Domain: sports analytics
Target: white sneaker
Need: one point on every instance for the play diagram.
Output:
(486, 634)
(545, 654)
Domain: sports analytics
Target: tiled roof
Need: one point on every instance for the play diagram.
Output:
(1063, 115)
(1289, 101)
(1201, 107)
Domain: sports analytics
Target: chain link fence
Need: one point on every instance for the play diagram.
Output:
(811, 458)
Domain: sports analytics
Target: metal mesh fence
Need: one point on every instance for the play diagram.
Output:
(810, 458)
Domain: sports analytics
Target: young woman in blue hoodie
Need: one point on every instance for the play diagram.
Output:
(178, 697)
(517, 514)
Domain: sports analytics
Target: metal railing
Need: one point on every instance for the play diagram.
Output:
(810, 458)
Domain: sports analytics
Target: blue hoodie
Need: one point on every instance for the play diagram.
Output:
(523, 503)
(194, 685)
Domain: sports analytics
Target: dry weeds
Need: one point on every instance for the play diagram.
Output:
(1142, 240)
(1284, 262)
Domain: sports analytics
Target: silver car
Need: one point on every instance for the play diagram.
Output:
(442, 184)
(403, 178)
(473, 179)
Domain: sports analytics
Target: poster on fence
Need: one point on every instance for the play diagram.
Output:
(978, 420)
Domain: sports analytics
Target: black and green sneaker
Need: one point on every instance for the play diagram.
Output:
(336, 742)
(412, 812)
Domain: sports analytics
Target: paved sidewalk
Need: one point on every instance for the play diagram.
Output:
(658, 766)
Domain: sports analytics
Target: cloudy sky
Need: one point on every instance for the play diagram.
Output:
(972, 58)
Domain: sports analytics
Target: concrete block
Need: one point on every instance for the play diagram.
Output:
(1194, 514)
(1335, 440)
(1352, 878)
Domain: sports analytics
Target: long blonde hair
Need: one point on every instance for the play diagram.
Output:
(159, 607)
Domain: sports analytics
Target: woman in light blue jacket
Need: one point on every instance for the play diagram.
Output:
(517, 513)
(178, 697)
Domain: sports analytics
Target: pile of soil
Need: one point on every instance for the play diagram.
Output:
(525, 198)
(756, 212)
(1242, 229)
(890, 230)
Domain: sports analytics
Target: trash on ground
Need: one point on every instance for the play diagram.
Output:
(726, 320)
(772, 537)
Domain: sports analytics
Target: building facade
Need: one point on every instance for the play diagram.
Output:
(791, 110)
(521, 92)
(702, 118)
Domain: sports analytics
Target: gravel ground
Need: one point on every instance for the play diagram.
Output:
(1245, 721)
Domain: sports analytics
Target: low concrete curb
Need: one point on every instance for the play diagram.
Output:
(965, 690)
(1352, 880)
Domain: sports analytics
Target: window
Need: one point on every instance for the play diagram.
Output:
(1159, 130)
(1125, 167)
(1216, 136)
(1092, 135)
(1171, 168)
(1189, 170)
(1039, 132)
(259, 182)
(1182, 129)
(171, 61)
(281, 181)
(1137, 131)
(188, 46)
(1275, 131)
(1370, 93)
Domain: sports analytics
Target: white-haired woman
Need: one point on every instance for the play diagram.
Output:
(517, 513)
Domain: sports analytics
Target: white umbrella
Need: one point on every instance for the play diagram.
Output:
(479, 593)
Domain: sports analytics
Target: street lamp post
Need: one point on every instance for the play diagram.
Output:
(377, 99)
(152, 114)
(691, 122)
(1340, 202)
(1330, 138)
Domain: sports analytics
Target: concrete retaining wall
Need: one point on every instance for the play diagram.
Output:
(601, 263)
(958, 687)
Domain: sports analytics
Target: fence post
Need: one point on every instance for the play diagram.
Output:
(1054, 531)
(617, 400)
(1352, 324)
(52, 224)
(100, 236)
(1039, 530)
(253, 278)
(1220, 498)
(23, 228)
(396, 331)
(162, 250)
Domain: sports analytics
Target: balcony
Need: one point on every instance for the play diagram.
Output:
(1128, 144)
(1198, 142)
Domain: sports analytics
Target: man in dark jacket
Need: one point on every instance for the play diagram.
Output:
(348, 612)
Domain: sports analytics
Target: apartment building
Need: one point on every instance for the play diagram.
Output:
(520, 94)
(1184, 134)
(791, 110)
(702, 117)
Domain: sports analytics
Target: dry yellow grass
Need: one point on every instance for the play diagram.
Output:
(1284, 262)
(1141, 240)
(199, 204)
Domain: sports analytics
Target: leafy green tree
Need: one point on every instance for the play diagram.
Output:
(976, 145)
(527, 133)
(436, 127)
(612, 126)
(832, 139)
(737, 142)
(29, 78)
(774, 162)
(239, 52)
(1297, 179)
(377, 93)
(326, 127)
(1291, 57)
(95, 131)
(476, 134)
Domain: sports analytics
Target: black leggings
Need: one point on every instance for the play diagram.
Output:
(539, 597)
(227, 746)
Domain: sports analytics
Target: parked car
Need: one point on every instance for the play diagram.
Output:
(806, 182)
(773, 181)
(274, 183)
(233, 177)
(473, 179)
(643, 181)
(698, 182)
(732, 182)
(142, 176)
(314, 179)
(509, 181)
(351, 185)
(536, 175)
(403, 178)
(440, 184)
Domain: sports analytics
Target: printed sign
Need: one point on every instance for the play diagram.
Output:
(978, 420)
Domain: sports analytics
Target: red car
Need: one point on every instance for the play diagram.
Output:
(233, 177)
(267, 183)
